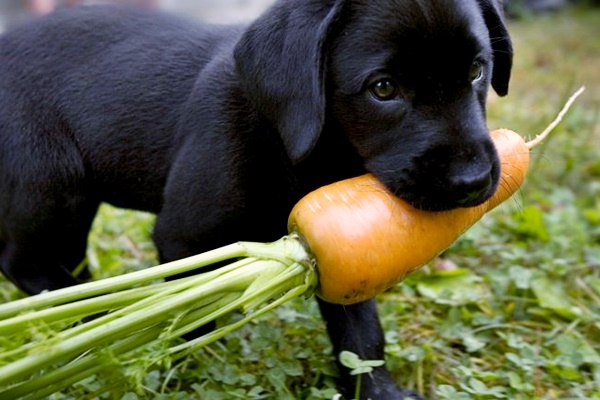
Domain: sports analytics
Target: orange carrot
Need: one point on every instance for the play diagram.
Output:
(366, 240)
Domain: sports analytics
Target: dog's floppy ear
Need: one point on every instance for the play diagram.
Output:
(280, 60)
(501, 44)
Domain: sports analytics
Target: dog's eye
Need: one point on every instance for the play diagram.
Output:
(384, 89)
(476, 71)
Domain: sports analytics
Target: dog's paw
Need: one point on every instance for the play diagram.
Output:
(396, 394)
(409, 395)
(391, 393)
(382, 389)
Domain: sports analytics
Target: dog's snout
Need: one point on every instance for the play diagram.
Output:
(471, 189)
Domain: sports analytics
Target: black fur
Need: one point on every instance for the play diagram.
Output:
(219, 130)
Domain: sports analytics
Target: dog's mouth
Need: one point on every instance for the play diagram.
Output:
(441, 200)
(441, 194)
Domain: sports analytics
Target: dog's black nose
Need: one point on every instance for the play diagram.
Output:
(471, 189)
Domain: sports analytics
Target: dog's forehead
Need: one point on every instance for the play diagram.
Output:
(421, 33)
(391, 21)
(416, 13)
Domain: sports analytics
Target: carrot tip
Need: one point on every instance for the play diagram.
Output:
(540, 138)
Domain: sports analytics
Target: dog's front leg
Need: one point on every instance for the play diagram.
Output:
(356, 328)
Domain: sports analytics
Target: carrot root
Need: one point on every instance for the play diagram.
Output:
(540, 138)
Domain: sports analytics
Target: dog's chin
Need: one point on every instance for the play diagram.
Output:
(441, 201)
(432, 199)
(424, 194)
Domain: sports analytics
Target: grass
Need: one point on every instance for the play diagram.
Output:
(517, 316)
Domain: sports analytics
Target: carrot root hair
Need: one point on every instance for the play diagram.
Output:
(540, 138)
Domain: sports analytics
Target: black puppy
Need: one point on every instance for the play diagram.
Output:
(219, 130)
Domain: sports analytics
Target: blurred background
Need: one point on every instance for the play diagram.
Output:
(15, 11)
(218, 11)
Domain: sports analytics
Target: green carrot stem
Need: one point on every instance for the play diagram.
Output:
(48, 382)
(227, 307)
(57, 385)
(88, 364)
(264, 289)
(77, 310)
(286, 294)
(162, 290)
(195, 344)
(62, 377)
(198, 316)
(283, 270)
(172, 288)
(114, 329)
(11, 323)
(117, 283)
(287, 249)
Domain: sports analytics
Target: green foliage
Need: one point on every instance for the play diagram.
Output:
(358, 367)
(518, 319)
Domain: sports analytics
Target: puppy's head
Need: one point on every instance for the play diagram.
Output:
(409, 81)
(404, 81)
